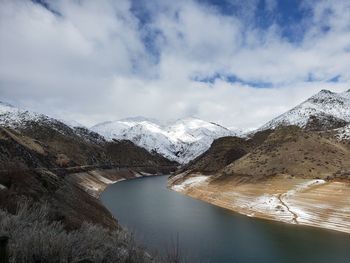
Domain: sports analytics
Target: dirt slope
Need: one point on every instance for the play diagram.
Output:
(293, 151)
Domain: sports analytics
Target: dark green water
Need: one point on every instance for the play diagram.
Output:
(211, 234)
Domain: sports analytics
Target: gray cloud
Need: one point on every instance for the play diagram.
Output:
(93, 63)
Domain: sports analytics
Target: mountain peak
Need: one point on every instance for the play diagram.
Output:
(181, 140)
(325, 105)
(326, 91)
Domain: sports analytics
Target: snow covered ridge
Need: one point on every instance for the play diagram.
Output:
(14, 117)
(325, 104)
(181, 141)
(17, 118)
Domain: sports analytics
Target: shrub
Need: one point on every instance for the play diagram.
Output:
(33, 238)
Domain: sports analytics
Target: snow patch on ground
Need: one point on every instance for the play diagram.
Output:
(145, 174)
(303, 186)
(265, 203)
(343, 133)
(107, 181)
(277, 205)
(190, 182)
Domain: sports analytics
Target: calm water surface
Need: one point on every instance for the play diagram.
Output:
(211, 234)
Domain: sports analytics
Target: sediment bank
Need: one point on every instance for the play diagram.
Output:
(310, 202)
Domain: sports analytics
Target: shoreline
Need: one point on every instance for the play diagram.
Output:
(290, 212)
(96, 181)
(305, 202)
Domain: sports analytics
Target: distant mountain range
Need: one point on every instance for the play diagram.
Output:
(185, 139)
(181, 140)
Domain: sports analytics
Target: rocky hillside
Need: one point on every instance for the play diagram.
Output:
(293, 151)
(53, 143)
(44, 159)
(286, 150)
(224, 151)
(181, 141)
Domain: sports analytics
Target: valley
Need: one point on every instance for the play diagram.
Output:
(136, 131)
(294, 169)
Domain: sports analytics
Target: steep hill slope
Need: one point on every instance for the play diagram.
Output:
(42, 158)
(46, 162)
(224, 151)
(293, 151)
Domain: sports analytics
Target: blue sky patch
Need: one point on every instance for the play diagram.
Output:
(232, 79)
(335, 79)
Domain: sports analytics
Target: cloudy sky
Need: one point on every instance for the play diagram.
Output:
(238, 63)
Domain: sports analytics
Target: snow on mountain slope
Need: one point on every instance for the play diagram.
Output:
(14, 117)
(343, 133)
(181, 141)
(20, 119)
(325, 106)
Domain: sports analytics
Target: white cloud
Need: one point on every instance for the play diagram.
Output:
(91, 63)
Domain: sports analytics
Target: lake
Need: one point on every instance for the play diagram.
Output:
(206, 233)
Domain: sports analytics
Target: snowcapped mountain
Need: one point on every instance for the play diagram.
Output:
(181, 141)
(28, 121)
(15, 117)
(325, 110)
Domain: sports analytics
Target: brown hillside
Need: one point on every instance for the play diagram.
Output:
(46, 146)
(293, 151)
(224, 151)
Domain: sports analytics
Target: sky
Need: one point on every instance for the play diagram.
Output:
(237, 63)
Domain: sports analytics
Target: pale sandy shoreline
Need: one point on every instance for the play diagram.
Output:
(307, 202)
(94, 182)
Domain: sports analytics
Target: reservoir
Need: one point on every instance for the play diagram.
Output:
(206, 233)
